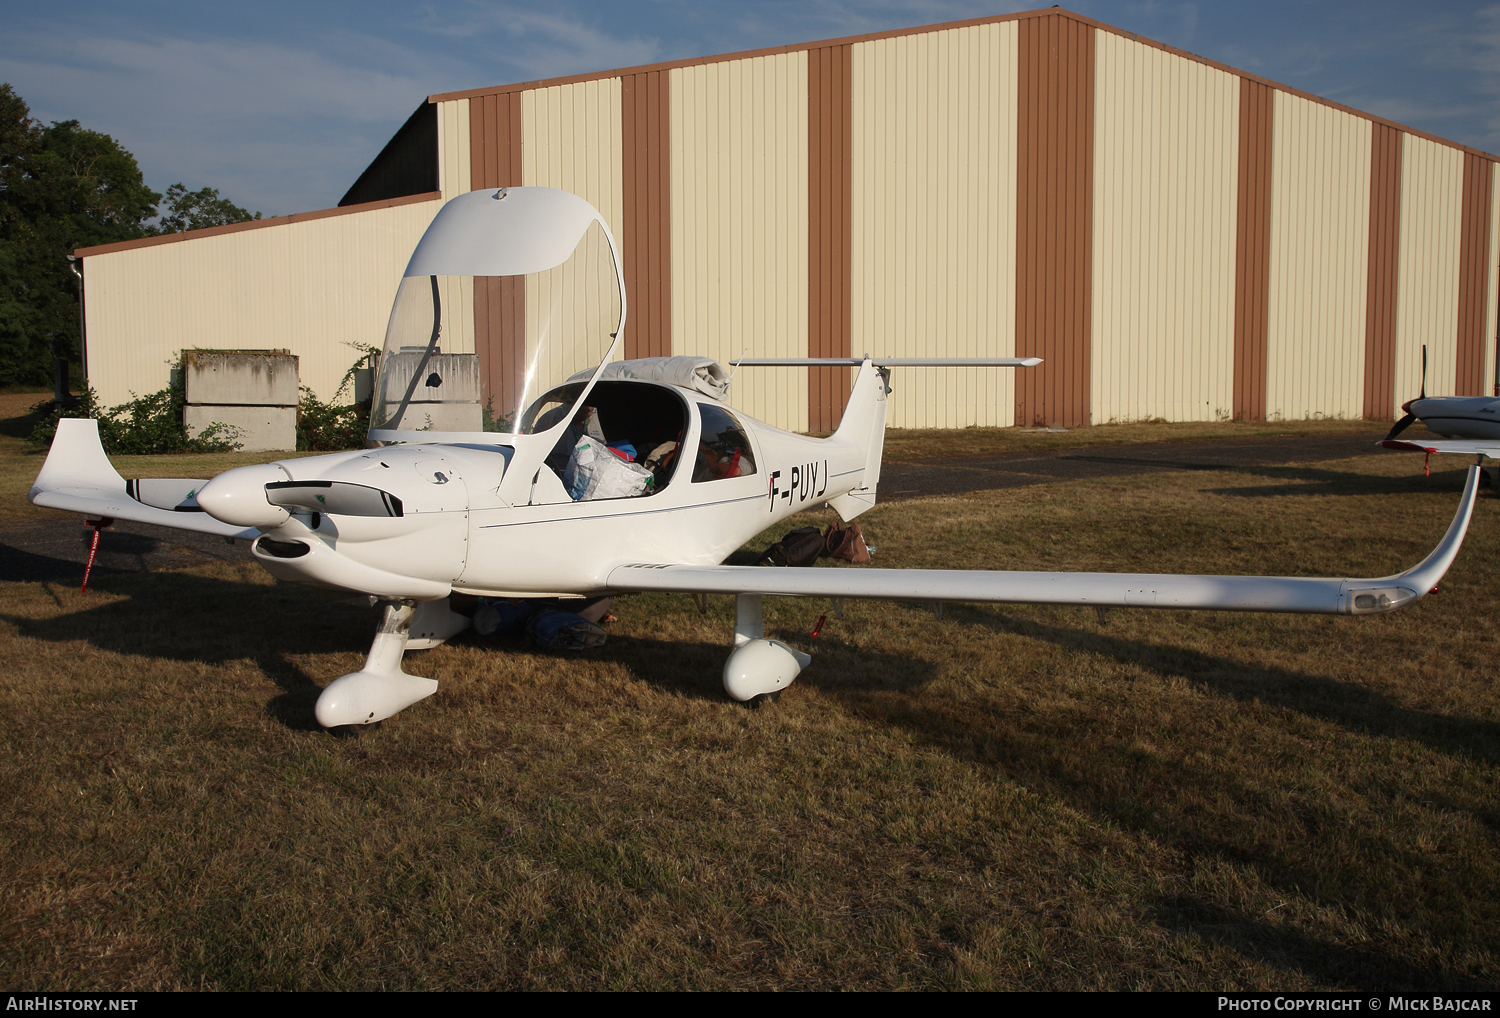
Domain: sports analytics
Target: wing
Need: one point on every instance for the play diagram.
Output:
(1103, 590)
(1462, 446)
(78, 477)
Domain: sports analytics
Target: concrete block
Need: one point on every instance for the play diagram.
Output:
(240, 377)
(446, 378)
(262, 428)
(446, 396)
(442, 417)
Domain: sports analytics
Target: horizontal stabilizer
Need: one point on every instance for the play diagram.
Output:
(1313, 595)
(887, 362)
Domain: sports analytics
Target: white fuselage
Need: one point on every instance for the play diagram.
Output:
(458, 533)
(1459, 416)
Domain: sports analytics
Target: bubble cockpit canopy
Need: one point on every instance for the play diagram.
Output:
(510, 292)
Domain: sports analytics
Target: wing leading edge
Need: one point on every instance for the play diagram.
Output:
(1310, 595)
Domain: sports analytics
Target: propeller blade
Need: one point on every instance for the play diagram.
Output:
(338, 498)
(1401, 426)
(1423, 394)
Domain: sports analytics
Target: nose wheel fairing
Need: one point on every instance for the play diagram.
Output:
(380, 688)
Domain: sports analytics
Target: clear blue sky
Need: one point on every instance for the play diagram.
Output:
(280, 105)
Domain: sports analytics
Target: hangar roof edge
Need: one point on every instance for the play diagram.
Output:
(526, 86)
(254, 224)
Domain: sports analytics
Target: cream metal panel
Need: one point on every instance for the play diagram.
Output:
(739, 224)
(571, 139)
(320, 288)
(1320, 226)
(453, 148)
(1166, 148)
(1492, 288)
(934, 218)
(453, 179)
(1432, 179)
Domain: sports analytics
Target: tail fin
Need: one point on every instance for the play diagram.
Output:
(863, 426)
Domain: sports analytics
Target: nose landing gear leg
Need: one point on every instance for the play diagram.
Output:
(380, 688)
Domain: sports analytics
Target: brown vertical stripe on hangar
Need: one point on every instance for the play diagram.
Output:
(1380, 289)
(1054, 219)
(499, 305)
(830, 157)
(1473, 277)
(1252, 255)
(645, 129)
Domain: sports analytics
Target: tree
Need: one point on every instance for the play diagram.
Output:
(195, 210)
(61, 187)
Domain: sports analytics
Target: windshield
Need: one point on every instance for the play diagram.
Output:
(465, 353)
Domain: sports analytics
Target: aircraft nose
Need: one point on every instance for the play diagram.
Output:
(238, 497)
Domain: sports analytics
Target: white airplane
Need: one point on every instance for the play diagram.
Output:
(436, 505)
(1470, 425)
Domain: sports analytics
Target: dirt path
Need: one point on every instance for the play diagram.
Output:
(957, 476)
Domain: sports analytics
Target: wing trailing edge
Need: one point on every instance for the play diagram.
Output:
(1309, 595)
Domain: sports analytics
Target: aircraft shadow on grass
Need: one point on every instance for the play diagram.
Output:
(180, 616)
(121, 550)
(1355, 708)
(1101, 768)
(1285, 947)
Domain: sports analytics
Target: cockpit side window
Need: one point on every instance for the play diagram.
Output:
(723, 447)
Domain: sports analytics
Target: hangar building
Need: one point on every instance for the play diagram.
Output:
(1178, 239)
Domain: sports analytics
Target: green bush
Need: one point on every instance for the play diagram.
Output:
(328, 427)
(323, 427)
(147, 425)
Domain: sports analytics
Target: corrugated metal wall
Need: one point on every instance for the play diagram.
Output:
(934, 218)
(1473, 280)
(570, 139)
(1427, 291)
(1252, 246)
(830, 164)
(1054, 218)
(1178, 239)
(1382, 281)
(454, 168)
(1320, 222)
(1166, 147)
(320, 288)
(739, 224)
(1492, 296)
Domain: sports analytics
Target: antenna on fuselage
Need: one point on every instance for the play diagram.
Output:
(736, 366)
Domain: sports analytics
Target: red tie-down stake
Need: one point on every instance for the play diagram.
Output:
(88, 568)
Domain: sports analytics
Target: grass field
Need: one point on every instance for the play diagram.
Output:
(1008, 797)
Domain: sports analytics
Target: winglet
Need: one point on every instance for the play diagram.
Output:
(79, 478)
(1425, 575)
(76, 460)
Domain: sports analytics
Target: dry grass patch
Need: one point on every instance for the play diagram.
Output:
(1007, 797)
